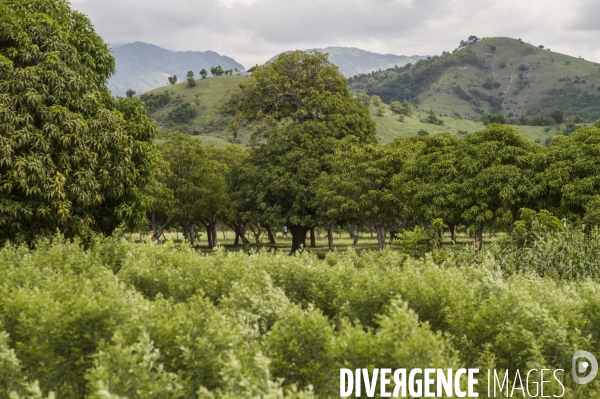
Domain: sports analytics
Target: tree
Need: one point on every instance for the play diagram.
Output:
(496, 174)
(558, 116)
(568, 174)
(364, 99)
(429, 183)
(190, 79)
(172, 80)
(197, 182)
(298, 107)
(376, 100)
(73, 158)
(357, 190)
(217, 71)
(130, 93)
(203, 73)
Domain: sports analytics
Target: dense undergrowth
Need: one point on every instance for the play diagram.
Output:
(124, 320)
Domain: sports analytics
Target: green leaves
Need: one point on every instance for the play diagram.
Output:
(71, 157)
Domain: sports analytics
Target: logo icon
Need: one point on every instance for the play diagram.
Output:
(580, 367)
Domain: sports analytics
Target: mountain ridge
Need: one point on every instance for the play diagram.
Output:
(352, 61)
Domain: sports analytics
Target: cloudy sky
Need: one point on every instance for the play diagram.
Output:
(251, 31)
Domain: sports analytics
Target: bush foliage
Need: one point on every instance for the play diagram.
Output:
(170, 323)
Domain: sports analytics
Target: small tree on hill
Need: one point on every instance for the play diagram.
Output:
(190, 79)
(172, 80)
(558, 116)
(203, 73)
(130, 93)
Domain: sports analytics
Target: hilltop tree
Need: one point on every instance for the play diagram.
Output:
(203, 73)
(298, 107)
(190, 79)
(73, 158)
(172, 80)
(130, 93)
(217, 71)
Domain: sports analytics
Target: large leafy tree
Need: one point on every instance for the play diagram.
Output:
(299, 106)
(358, 188)
(429, 184)
(198, 185)
(568, 175)
(71, 157)
(495, 174)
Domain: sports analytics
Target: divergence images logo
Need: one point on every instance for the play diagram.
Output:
(581, 367)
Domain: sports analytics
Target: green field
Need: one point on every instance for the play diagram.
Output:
(389, 127)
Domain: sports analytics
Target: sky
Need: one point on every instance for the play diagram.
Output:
(252, 31)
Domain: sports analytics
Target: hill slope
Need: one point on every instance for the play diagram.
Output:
(143, 67)
(170, 107)
(494, 74)
(352, 61)
(166, 106)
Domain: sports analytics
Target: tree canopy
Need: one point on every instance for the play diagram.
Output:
(298, 107)
(71, 157)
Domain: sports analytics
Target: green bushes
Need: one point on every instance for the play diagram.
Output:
(170, 323)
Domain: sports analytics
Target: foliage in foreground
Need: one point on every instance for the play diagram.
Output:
(140, 321)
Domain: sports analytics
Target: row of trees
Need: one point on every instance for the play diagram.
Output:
(316, 162)
(480, 181)
(215, 71)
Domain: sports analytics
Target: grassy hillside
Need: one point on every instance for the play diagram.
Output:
(494, 74)
(389, 127)
(212, 128)
(207, 125)
(143, 67)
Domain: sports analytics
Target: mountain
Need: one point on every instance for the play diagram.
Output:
(143, 67)
(352, 61)
(493, 75)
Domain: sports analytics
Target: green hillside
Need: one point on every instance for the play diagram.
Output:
(172, 108)
(491, 75)
(389, 127)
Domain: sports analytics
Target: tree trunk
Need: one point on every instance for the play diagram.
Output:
(208, 235)
(192, 235)
(453, 233)
(270, 235)
(242, 232)
(214, 231)
(298, 236)
(330, 237)
(313, 243)
(380, 236)
(479, 238)
(154, 223)
(354, 235)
